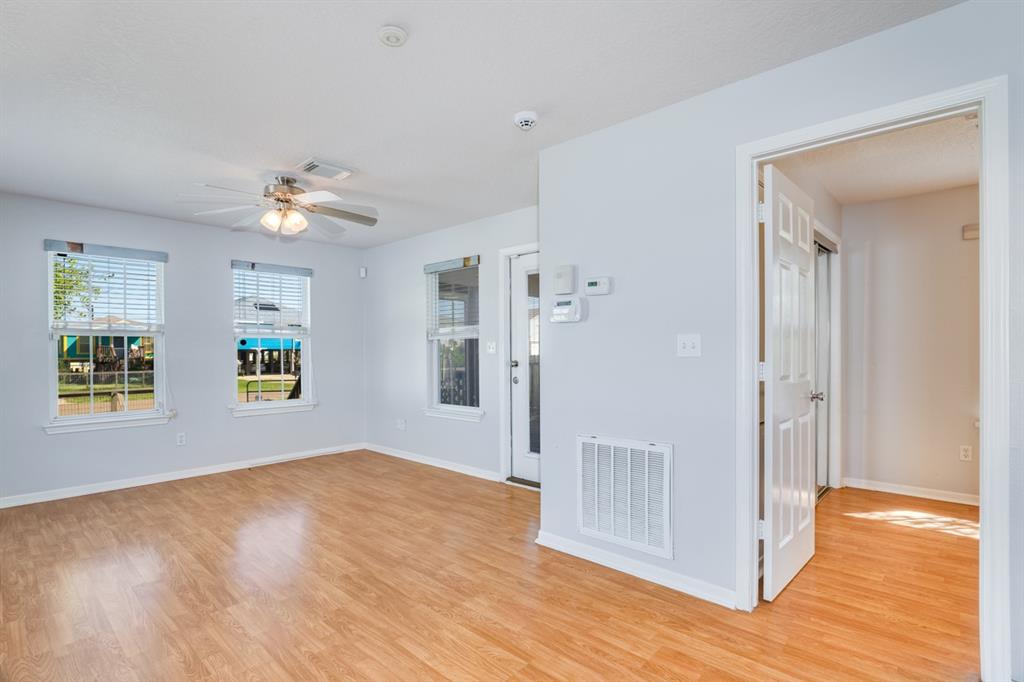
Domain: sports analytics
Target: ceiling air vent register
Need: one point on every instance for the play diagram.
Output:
(312, 166)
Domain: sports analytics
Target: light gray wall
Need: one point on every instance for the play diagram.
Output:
(200, 351)
(396, 357)
(651, 202)
(910, 335)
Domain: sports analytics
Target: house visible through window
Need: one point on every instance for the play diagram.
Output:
(271, 320)
(106, 331)
(453, 302)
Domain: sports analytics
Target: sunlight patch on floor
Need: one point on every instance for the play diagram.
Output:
(923, 520)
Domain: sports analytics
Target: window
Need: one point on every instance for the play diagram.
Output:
(106, 335)
(453, 308)
(271, 321)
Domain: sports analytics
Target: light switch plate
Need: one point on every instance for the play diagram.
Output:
(492, 347)
(688, 345)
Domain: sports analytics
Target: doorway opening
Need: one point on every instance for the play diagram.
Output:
(900, 201)
(790, 482)
(825, 351)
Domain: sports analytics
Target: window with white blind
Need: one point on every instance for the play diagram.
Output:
(272, 335)
(106, 328)
(453, 346)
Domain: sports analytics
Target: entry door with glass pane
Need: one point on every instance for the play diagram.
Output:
(524, 369)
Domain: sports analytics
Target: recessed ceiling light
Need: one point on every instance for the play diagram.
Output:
(392, 36)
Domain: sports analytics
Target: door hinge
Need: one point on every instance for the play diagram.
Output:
(761, 372)
(760, 529)
(760, 212)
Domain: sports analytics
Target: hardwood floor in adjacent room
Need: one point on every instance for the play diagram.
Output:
(361, 566)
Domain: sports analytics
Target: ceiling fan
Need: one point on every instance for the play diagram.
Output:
(285, 208)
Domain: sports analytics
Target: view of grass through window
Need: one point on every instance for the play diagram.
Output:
(104, 374)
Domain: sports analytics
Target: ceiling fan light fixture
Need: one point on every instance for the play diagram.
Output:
(294, 222)
(273, 219)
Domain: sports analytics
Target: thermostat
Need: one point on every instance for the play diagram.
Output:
(597, 286)
(566, 309)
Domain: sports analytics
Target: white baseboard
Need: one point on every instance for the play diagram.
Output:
(913, 491)
(107, 486)
(655, 574)
(485, 474)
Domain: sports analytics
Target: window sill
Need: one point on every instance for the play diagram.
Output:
(464, 414)
(99, 424)
(270, 408)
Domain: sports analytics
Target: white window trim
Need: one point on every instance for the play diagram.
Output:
(73, 425)
(456, 412)
(98, 422)
(272, 407)
(435, 408)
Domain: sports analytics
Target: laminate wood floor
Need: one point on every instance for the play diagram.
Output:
(361, 566)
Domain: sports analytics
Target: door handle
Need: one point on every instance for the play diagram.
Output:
(817, 396)
(513, 364)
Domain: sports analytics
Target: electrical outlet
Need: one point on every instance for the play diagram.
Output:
(966, 453)
(492, 347)
(688, 345)
(400, 424)
(180, 439)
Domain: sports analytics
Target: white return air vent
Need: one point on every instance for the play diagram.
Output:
(323, 169)
(624, 493)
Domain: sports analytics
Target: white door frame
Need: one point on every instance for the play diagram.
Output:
(990, 99)
(505, 255)
(835, 364)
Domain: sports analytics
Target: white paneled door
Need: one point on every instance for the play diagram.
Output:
(524, 369)
(789, 451)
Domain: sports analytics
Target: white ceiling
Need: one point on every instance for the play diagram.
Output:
(125, 105)
(925, 158)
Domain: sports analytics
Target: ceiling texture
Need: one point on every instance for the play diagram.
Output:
(926, 158)
(127, 105)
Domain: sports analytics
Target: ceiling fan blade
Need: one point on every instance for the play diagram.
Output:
(228, 189)
(368, 211)
(327, 227)
(248, 220)
(207, 199)
(229, 209)
(352, 217)
(320, 196)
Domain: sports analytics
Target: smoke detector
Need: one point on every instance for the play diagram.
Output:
(323, 169)
(392, 36)
(525, 120)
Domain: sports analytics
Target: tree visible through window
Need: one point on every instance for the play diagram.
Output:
(106, 330)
